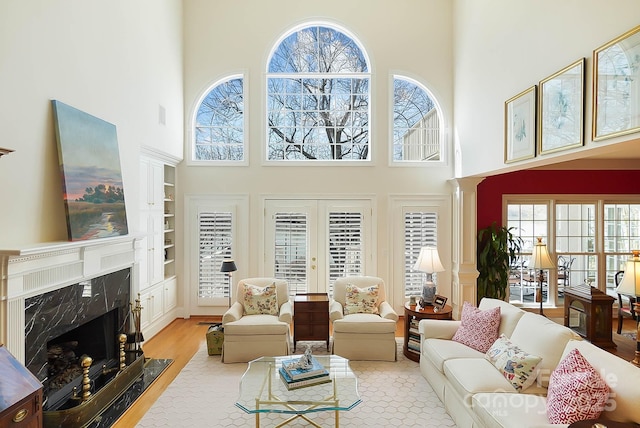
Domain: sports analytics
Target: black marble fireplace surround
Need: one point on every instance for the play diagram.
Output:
(80, 308)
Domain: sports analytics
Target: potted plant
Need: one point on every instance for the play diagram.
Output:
(498, 249)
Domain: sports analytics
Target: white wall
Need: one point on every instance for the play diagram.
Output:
(504, 47)
(411, 37)
(117, 60)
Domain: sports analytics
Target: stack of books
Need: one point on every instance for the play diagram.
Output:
(295, 378)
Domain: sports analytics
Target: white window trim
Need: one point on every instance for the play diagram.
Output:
(398, 204)
(216, 202)
(372, 84)
(190, 158)
(444, 134)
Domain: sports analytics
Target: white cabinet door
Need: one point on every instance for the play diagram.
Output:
(170, 294)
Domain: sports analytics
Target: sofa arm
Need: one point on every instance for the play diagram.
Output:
(286, 312)
(234, 313)
(335, 311)
(386, 311)
(438, 329)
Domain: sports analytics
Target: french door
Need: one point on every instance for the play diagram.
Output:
(310, 243)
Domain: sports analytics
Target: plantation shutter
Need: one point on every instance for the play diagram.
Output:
(419, 231)
(345, 245)
(291, 250)
(215, 242)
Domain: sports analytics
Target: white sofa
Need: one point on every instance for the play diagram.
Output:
(476, 394)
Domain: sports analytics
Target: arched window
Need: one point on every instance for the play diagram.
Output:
(318, 97)
(417, 134)
(219, 124)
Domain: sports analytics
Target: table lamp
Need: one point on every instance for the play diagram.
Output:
(630, 285)
(228, 266)
(429, 262)
(540, 259)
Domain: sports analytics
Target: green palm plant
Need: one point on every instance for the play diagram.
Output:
(498, 249)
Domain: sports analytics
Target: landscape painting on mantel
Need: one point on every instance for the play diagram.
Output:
(91, 174)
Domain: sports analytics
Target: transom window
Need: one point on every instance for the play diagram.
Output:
(318, 97)
(416, 123)
(219, 123)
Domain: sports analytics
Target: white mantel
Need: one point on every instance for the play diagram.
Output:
(34, 270)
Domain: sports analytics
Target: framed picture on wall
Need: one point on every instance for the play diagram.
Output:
(561, 109)
(616, 87)
(520, 126)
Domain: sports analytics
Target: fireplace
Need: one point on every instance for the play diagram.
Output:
(64, 304)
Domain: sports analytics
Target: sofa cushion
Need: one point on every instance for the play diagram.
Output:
(468, 376)
(364, 323)
(576, 391)
(542, 337)
(361, 300)
(440, 350)
(621, 376)
(478, 328)
(260, 300)
(256, 325)
(517, 366)
(510, 410)
(509, 314)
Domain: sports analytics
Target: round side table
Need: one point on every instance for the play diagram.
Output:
(412, 316)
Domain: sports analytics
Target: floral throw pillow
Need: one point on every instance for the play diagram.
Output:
(361, 300)
(478, 329)
(518, 367)
(260, 300)
(576, 391)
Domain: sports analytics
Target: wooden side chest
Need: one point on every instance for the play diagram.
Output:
(20, 394)
(311, 317)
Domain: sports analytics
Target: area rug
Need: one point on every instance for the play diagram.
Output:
(205, 391)
(631, 336)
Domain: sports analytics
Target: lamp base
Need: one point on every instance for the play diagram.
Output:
(428, 294)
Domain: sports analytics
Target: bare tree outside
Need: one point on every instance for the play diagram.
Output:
(318, 98)
(219, 130)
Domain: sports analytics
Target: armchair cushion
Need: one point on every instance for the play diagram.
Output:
(361, 300)
(260, 300)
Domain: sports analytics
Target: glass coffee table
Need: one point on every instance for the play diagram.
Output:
(262, 390)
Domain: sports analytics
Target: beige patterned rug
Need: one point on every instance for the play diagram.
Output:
(205, 391)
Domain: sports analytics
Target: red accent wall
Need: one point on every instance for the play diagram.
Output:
(491, 189)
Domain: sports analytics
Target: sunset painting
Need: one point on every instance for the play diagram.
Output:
(91, 176)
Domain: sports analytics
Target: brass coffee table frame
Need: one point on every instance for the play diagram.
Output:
(270, 393)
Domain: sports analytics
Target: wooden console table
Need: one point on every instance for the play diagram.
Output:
(588, 312)
(20, 394)
(311, 317)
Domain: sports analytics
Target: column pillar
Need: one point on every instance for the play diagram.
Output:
(464, 272)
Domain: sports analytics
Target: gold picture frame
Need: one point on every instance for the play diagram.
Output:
(616, 87)
(561, 109)
(520, 126)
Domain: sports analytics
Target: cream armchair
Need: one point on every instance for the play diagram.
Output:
(249, 332)
(362, 336)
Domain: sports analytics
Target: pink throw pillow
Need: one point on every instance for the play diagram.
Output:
(576, 391)
(478, 329)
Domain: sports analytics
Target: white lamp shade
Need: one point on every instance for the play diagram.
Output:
(540, 258)
(630, 284)
(428, 260)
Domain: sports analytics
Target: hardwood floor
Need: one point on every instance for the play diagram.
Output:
(182, 338)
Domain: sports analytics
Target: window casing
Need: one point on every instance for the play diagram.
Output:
(591, 237)
(420, 230)
(417, 130)
(318, 97)
(219, 124)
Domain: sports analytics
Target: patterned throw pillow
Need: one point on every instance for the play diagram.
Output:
(361, 300)
(518, 367)
(478, 329)
(260, 300)
(576, 391)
